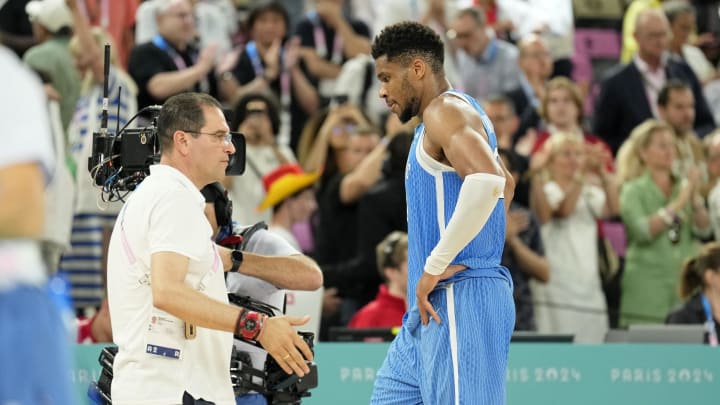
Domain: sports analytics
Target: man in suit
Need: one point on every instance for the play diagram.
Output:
(629, 94)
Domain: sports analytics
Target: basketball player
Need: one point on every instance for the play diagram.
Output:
(453, 345)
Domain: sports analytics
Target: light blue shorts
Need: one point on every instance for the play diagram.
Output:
(461, 361)
(34, 350)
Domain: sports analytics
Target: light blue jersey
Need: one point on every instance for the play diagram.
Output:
(462, 359)
(428, 217)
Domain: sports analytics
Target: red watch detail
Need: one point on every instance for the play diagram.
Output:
(250, 324)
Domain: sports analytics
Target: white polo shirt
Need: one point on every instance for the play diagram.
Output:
(155, 363)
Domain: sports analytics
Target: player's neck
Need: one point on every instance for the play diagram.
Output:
(438, 86)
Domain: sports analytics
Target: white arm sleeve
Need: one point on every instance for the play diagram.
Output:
(478, 197)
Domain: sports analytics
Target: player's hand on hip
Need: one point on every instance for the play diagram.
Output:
(427, 283)
(284, 344)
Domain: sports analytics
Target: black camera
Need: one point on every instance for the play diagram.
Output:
(284, 388)
(278, 386)
(120, 161)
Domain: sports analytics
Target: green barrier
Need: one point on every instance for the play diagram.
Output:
(538, 373)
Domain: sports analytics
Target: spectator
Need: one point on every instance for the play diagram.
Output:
(381, 210)
(389, 306)
(214, 19)
(628, 95)
(169, 64)
(681, 16)
(629, 26)
(15, 28)
(329, 38)
(700, 288)
(551, 20)
(360, 164)
(568, 205)
(712, 147)
(256, 116)
(117, 18)
(676, 106)
(52, 27)
(301, 274)
(486, 65)
(663, 218)
(562, 110)
(501, 112)
(336, 231)
(535, 62)
(271, 62)
(291, 196)
(524, 254)
(85, 263)
(326, 136)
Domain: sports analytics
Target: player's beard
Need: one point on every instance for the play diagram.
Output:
(412, 107)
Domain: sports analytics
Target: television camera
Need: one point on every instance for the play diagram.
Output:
(120, 161)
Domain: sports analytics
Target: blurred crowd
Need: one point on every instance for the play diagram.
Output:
(605, 115)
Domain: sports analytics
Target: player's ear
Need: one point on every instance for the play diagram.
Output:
(418, 68)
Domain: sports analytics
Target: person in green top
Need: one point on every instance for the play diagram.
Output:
(664, 217)
(52, 27)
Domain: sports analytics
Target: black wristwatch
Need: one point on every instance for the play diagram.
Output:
(237, 258)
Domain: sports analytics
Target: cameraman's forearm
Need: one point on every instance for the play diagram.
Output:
(22, 201)
(180, 300)
(296, 272)
(172, 294)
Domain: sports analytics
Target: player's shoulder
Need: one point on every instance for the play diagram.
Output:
(446, 107)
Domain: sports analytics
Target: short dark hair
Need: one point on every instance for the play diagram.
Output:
(182, 112)
(670, 86)
(407, 40)
(273, 110)
(263, 7)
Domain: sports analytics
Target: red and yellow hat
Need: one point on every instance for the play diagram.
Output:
(284, 181)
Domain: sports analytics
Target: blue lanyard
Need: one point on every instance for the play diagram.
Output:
(709, 321)
(252, 53)
(160, 42)
(321, 42)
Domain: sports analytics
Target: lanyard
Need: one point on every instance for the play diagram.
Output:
(180, 64)
(160, 42)
(253, 54)
(709, 322)
(321, 43)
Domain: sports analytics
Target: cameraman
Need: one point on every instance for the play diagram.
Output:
(168, 302)
(301, 271)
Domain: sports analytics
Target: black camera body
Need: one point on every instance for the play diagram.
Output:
(123, 161)
(284, 388)
(278, 386)
(119, 162)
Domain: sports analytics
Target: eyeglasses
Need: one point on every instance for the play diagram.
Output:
(217, 136)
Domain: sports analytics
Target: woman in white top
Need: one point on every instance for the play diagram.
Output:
(573, 192)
